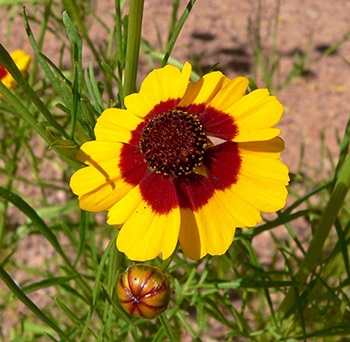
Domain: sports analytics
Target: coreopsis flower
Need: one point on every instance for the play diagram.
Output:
(187, 162)
(22, 60)
(144, 291)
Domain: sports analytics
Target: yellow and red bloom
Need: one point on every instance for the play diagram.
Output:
(184, 162)
(22, 60)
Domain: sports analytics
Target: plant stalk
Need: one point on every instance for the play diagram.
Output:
(133, 46)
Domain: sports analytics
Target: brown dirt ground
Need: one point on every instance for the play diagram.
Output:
(217, 32)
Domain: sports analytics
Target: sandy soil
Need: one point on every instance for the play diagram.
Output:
(217, 32)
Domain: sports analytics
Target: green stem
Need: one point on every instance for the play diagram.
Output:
(166, 263)
(120, 50)
(314, 252)
(133, 46)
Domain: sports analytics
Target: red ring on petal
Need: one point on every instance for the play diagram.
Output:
(162, 107)
(3, 71)
(159, 192)
(215, 122)
(223, 163)
(163, 193)
(132, 166)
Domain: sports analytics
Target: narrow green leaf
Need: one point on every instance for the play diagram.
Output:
(78, 322)
(83, 227)
(44, 229)
(22, 112)
(167, 327)
(110, 71)
(344, 151)
(344, 246)
(184, 320)
(37, 221)
(93, 89)
(45, 283)
(77, 46)
(177, 31)
(281, 220)
(29, 304)
(45, 62)
(9, 64)
(97, 285)
(315, 249)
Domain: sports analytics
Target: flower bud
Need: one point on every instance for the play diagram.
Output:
(144, 291)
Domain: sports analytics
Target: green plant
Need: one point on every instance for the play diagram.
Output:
(301, 293)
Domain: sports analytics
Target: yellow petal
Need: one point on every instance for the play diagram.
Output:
(189, 236)
(232, 91)
(146, 234)
(159, 86)
(268, 149)
(116, 124)
(261, 169)
(258, 135)
(123, 209)
(243, 212)
(99, 187)
(21, 59)
(138, 104)
(210, 230)
(266, 196)
(93, 152)
(204, 90)
(262, 181)
(256, 114)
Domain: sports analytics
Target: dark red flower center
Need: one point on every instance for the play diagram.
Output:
(173, 143)
(165, 149)
(3, 71)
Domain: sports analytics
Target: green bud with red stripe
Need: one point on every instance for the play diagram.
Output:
(144, 291)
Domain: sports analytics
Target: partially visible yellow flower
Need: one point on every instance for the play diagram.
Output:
(185, 162)
(22, 60)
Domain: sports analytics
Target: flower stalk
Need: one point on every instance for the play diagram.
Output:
(133, 46)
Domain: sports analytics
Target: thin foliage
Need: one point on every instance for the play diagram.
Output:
(301, 294)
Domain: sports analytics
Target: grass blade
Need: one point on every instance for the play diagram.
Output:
(29, 304)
